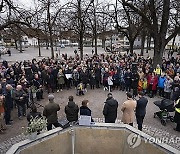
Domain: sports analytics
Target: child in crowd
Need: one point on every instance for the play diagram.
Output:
(80, 89)
(144, 85)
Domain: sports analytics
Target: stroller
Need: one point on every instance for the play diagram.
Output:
(165, 107)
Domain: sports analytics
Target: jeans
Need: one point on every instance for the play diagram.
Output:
(21, 110)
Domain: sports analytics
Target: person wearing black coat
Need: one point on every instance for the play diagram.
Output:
(71, 110)
(110, 109)
(92, 79)
(135, 79)
(19, 97)
(37, 82)
(84, 76)
(98, 76)
(127, 78)
(8, 104)
(141, 109)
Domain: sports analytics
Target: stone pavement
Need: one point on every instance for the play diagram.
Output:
(96, 97)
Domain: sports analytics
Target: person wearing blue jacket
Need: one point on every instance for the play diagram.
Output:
(161, 81)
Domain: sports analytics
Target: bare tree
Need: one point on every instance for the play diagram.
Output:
(158, 21)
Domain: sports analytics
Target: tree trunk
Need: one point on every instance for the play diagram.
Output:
(103, 43)
(92, 43)
(173, 43)
(81, 45)
(142, 43)
(39, 47)
(148, 43)
(159, 47)
(95, 42)
(131, 43)
(16, 46)
(47, 44)
(20, 45)
(51, 44)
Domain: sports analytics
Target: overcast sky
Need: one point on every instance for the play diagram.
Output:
(29, 3)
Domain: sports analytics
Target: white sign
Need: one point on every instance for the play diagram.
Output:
(85, 120)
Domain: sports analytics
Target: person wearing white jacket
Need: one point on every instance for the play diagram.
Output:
(110, 83)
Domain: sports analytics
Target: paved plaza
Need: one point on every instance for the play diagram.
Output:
(96, 98)
(32, 52)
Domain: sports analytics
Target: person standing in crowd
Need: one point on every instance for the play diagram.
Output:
(2, 122)
(152, 84)
(141, 109)
(92, 80)
(37, 83)
(50, 112)
(8, 104)
(75, 78)
(110, 83)
(177, 115)
(158, 70)
(105, 79)
(71, 110)
(128, 109)
(98, 76)
(110, 109)
(161, 81)
(128, 80)
(121, 79)
(50, 82)
(168, 87)
(60, 80)
(20, 99)
(135, 79)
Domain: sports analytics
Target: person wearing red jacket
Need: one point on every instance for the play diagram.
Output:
(152, 84)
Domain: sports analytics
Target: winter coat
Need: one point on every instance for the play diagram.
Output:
(116, 78)
(161, 82)
(141, 106)
(60, 78)
(84, 77)
(71, 111)
(98, 74)
(84, 110)
(50, 112)
(92, 79)
(110, 110)
(128, 109)
(110, 81)
(168, 85)
(154, 83)
(135, 79)
(8, 105)
(17, 95)
(127, 78)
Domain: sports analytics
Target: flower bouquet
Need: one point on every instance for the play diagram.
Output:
(35, 126)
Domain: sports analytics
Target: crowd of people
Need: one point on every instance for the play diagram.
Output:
(21, 82)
